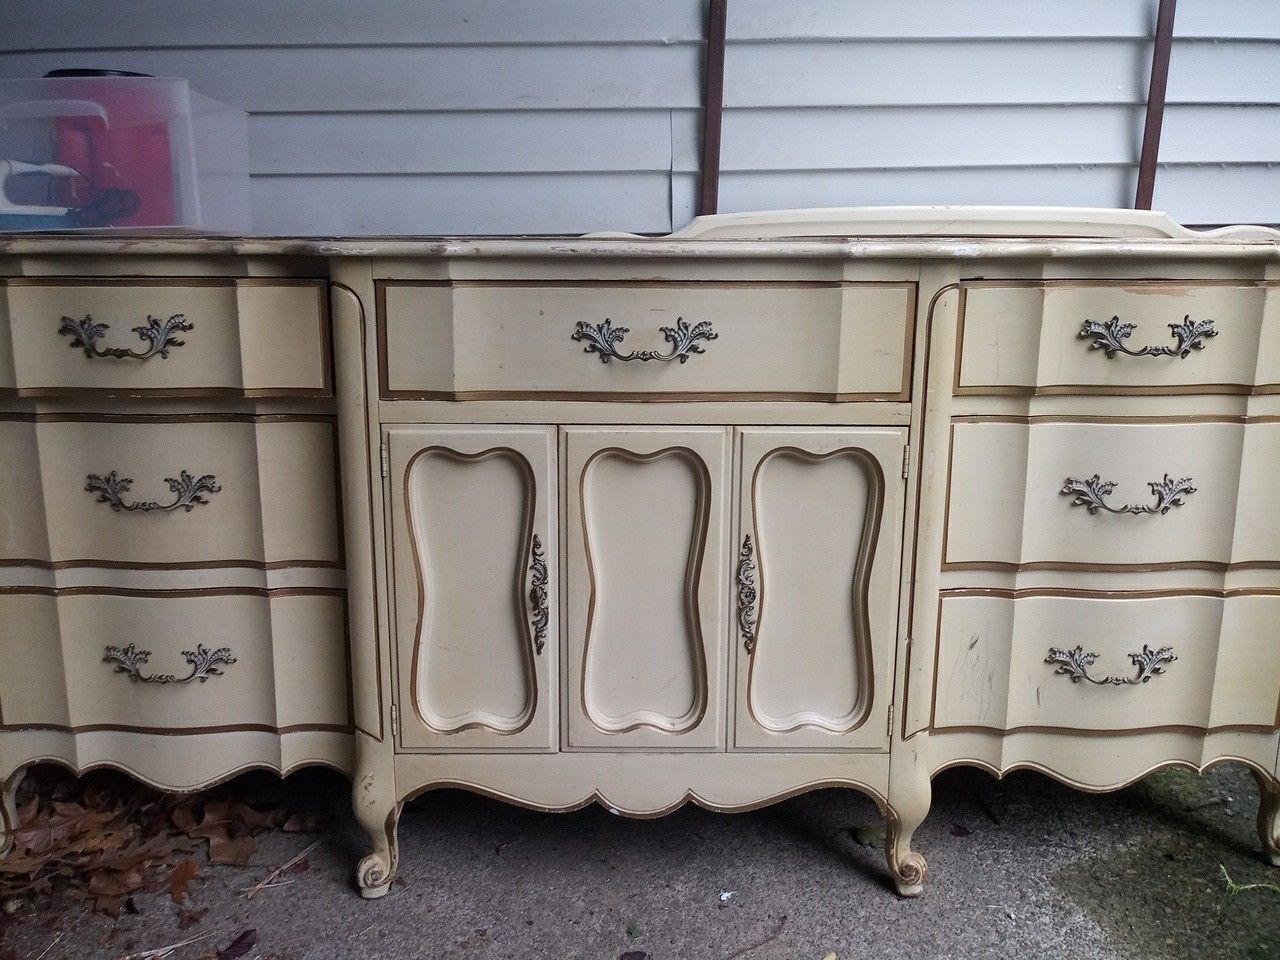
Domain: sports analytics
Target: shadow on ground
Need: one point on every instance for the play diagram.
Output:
(1023, 868)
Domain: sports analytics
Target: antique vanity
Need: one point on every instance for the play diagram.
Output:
(780, 502)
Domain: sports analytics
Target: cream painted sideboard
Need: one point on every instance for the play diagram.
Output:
(781, 502)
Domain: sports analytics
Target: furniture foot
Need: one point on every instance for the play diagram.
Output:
(9, 811)
(908, 868)
(376, 871)
(1269, 817)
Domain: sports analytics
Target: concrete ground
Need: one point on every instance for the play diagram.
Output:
(1023, 868)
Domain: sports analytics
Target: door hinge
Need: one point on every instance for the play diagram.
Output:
(890, 730)
(906, 461)
(386, 460)
(395, 721)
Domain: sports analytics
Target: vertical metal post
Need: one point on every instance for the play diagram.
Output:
(713, 109)
(1155, 105)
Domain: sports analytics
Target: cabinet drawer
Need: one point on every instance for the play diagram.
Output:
(172, 337)
(1051, 337)
(1045, 492)
(157, 491)
(93, 659)
(1026, 661)
(678, 340)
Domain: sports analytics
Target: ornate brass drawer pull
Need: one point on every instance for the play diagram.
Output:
(603, 338)
(1092, 493)
(158, 335)
(1109, 337)
(541, 614)
(187, 490)
(204, 663)
(1076, 663)
(747, 594)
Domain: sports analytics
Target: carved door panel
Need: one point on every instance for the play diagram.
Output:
(646, 601)
(474, 554)
(817, 554)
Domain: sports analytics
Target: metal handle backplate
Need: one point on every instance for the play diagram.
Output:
(539, 612)
(1092, 493)
(747, 594)
(204, 663)
(1076, 663)
(158, 337)
(603, 339)
(1109, 336)
(187, 491)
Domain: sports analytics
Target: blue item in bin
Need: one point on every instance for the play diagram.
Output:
(15, 216)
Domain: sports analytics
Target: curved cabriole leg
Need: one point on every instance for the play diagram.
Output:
(9, 811)
(379, 816)
(910, 794)
(1269, 817)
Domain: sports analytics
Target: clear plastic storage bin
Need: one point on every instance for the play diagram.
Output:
(100, 149)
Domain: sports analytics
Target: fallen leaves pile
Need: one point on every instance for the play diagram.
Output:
(105, 838)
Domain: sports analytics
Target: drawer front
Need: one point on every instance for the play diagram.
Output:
(1138, 337)
(1075, 494)
(1104, 662)
(194, 661)
(172, 337)
(232, 490)
(712, 340)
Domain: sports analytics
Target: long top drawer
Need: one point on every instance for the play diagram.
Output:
(646, 340)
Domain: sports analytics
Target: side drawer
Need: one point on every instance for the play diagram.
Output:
(234, 659)
(251, 337)
(1076, 661)
(746, 340)
(168, 490)
(1075, 493)
(1119, 337)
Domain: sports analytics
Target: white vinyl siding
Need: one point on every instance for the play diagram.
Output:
(565, 116)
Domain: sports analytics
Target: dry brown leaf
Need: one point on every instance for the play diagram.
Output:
(189, 918)
(234, 851)
(180, 878)
(239, 946)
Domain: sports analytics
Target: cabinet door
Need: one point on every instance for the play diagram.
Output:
(474, 565)
(646, 596)
(816, 587)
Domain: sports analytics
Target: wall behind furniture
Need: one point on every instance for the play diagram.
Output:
(563, 116)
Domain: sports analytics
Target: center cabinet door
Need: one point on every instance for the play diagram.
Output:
(816, 587)
(646, 601)
(475, 548)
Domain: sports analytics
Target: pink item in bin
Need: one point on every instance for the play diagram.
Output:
(88, 149)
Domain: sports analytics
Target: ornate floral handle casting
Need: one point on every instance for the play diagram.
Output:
(747, 594)
(204, 663)
(187, 491)
(540, 614)
(1109, 337)
(603, 338)
(1076, 663)
(158, 336)
(1092, 493)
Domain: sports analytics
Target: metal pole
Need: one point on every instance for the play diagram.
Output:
(1155, 105)
(713, 109)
